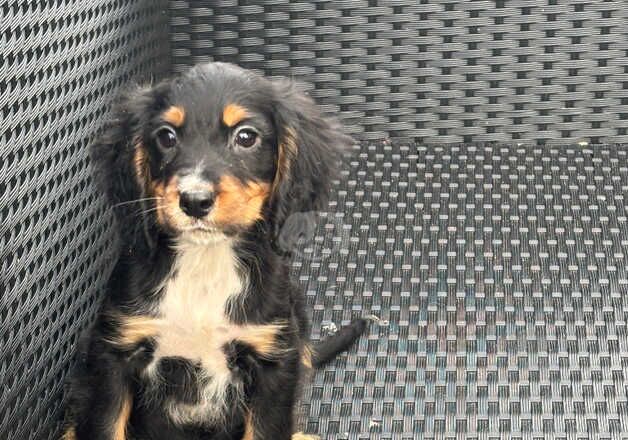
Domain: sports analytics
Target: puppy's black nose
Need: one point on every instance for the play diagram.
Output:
(196, 203)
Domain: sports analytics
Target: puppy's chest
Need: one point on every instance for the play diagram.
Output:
(195, 369)
(193, 310)
(189, 370)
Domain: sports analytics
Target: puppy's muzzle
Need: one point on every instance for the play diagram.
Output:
(196, 203)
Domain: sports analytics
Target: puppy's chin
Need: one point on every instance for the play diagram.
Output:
(201, 237)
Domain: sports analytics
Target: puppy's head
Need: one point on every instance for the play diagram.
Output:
(213, 153)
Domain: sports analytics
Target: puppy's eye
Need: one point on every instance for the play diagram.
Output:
(166, 137)
(246, 138)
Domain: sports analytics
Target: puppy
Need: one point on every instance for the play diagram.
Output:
(201, 334)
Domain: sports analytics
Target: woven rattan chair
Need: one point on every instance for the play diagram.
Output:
(483, 216)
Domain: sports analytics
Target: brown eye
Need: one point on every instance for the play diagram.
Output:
(246, 138)
(166, 137)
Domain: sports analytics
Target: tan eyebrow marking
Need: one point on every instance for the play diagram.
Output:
(232, 114)
(175, 116)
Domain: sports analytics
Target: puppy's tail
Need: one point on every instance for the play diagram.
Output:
(330, 347)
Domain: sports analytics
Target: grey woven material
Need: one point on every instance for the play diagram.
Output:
(61, 63)
(499, 273)
(440, 71)
(500, 277)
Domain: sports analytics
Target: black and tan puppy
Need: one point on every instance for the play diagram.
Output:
(201, 334)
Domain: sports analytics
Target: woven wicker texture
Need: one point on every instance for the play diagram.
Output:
(500, 278)
(61, 63)
(440, 71)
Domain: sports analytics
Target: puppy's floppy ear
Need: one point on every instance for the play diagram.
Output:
(310, 149)
(118, 158)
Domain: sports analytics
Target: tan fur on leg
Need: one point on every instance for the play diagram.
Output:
(301, 436)
(70, 434)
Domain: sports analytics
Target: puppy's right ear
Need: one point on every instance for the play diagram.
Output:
(121, 167)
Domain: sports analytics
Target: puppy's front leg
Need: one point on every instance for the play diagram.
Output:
(253, 433)
(301, 436)
(101, 399)
(270, 421)
(270, 388)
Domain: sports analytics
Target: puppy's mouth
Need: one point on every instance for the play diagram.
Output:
(201, 235)
(201, 226)
(182, 225)
(201, 229)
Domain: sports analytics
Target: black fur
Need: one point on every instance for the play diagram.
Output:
(109, 373)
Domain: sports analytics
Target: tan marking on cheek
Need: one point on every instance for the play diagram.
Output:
(119, 429)
(168, 212)
(134, 329)
(233, 114)
(159, 190)
(286, 153)
(172, 192)
(174, 116)
(239, 203)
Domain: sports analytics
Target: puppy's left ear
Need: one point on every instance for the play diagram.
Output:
(310, 149)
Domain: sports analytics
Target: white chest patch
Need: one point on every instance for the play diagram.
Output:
(193, 323)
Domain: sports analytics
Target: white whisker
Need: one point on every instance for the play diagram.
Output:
(136, 201)
(149, 210)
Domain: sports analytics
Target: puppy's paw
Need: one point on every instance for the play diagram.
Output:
(301, 436)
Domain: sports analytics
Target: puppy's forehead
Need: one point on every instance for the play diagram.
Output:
(222, 93)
